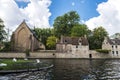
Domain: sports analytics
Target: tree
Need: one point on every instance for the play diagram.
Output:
(51, 42)
(2, 31)
(63, 24)
(97, 37)
(116, 35)
(43, 34)
(79, 30)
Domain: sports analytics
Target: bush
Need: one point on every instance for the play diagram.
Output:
(7, 47)
(103, 51)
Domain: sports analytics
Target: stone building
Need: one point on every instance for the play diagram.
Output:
(113, 45)
(73, 45)
(23, 38)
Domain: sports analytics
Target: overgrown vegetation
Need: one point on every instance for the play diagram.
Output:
(103, 51)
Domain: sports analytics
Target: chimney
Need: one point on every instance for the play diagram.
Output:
(61, 41)
(85, 36)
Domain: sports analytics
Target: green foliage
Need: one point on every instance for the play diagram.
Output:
(79, 30)
(7, 47)
(116, 35)
(63, 24)
(51, 42)
(2, 31)
(43, 34)
(96, 38)
(21, 64)
(103, 51)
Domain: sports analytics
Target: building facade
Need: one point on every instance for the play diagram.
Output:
(23, 38)
(73, 45)
(113, 45)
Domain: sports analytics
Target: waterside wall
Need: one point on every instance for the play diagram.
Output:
(54, 54)
(12, 55)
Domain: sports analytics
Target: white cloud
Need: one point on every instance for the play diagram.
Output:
(23, 0)
(73, 3)
(82, 1)
(109, 17)
(36, 13)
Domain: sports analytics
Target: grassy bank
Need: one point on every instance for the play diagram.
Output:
(20, 64)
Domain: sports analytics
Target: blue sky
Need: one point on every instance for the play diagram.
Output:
(85, 8)
(42, 13)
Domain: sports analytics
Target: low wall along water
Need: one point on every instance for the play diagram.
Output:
(54, 54)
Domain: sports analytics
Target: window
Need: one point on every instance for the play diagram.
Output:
(117, 52)
(112, 46)
(76, 46)
(113, 52)
(116, 46)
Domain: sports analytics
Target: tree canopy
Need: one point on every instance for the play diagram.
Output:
(2, 31)
(79, 30)
(51, 42)
(63, 24)
(98, 34)
(43, 34)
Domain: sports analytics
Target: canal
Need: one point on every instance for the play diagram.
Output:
(72, 69)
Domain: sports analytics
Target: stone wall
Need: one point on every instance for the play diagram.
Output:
(42, 55)
(54, 54)
(12, 55)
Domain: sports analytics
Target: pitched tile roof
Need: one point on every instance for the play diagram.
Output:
(115, 41)
(74, 40)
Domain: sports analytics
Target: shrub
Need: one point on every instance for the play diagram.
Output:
(103, 51)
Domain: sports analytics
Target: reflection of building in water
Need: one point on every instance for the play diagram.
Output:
(77, 69)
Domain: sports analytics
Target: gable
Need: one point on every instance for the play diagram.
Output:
(21, 27)
(24, 26)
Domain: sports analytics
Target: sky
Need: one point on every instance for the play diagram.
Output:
(42, 13)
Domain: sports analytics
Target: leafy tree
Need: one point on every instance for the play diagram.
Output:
(2, 31)
(63, 24)
(51, 42)
(43, 34)
(97, 37)
(79, 30)
(116, 35)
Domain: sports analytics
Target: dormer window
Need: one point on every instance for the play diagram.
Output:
(65, 41)
(113, 42)
(80, 41)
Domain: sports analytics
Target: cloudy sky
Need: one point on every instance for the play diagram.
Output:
(41, 13)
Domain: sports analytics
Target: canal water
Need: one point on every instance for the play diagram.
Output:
(72, 69)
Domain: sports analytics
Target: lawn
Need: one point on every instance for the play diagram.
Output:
(20, 64)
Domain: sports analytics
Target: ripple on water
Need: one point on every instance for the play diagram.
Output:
(4, 78)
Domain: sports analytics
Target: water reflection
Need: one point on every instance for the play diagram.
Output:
(73, 69)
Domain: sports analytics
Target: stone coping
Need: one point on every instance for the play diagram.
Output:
(25, 70)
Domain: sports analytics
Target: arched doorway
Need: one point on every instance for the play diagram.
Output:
(90, 55)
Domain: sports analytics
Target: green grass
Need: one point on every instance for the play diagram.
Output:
(20, 64)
